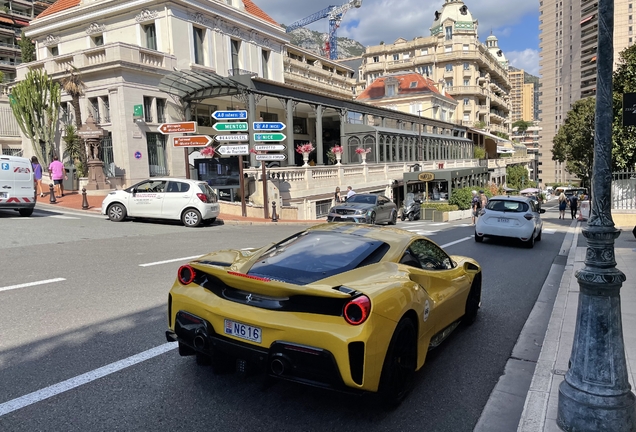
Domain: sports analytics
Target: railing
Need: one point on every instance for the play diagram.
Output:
(8, 124)
(9, 45)
(12, 152)
(115, 55)
(237, 72)
(624, 191)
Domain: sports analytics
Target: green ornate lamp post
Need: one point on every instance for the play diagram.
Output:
(596, 395)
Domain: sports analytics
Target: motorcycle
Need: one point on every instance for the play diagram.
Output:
(412, 208)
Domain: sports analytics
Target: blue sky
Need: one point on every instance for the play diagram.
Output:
(514, 22)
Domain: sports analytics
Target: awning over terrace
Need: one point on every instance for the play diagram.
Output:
(197, 85)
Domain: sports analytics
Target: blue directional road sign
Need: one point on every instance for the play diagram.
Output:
(230, 115)
(275, 126)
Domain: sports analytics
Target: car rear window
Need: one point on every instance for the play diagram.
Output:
(311, 256)
(208, 191)
(507, 206)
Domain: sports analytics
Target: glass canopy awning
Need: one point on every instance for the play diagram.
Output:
(196, 85)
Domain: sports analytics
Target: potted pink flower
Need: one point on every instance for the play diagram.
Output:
(363, 153)
(337, 152)
(305, 149)
(208, 152)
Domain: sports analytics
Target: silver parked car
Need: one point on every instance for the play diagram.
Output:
(364, 208)
(510, 216)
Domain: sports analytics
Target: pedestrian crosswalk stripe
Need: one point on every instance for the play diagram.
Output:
(549, 231)
(64, 217)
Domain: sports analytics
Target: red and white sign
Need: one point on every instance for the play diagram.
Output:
(182, 127)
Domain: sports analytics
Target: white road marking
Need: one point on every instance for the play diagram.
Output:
(427, 233)
(549, 231)
(170, 261)
(21, 218)
(439, 224)
(463, 225)
(56, 389)
(455, 242)
(64, 217)
(30, 284)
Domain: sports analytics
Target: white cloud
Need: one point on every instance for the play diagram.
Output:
(387, 20)
(527, 60)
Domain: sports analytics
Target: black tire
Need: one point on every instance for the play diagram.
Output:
(372, 219)
(191, 218)
(539, 236)
(25, 212)
(473, 302)
(116, 212)
(530, 242)
(399, 364)
(411, 217)
(403, 217)
(478, 239)
(393, 219)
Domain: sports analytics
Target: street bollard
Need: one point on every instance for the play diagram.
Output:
(52, 199)
(274, 216)
(85, 205)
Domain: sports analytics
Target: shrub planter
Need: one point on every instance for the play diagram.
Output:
(428, 214)
(439, 216)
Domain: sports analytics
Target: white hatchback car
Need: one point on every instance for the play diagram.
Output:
(510, 216)
(191, 201)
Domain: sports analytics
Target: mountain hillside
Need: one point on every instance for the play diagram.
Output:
(315, 42)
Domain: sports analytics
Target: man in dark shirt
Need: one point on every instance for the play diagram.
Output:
(574, 202)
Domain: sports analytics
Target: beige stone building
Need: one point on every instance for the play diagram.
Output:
(521, 96)
(568, 45)
(473, 73)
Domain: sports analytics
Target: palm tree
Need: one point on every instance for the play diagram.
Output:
(73, 85)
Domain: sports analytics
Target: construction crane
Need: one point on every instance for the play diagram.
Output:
(335, 14)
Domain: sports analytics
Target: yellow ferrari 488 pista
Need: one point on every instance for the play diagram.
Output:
(342, 306)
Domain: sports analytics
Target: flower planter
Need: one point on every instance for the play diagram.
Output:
(305, 159)
(439, 216)
(428, 214)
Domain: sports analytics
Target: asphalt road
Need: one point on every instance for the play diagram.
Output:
(82, 344)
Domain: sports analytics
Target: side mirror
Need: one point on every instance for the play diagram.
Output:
(541, 211)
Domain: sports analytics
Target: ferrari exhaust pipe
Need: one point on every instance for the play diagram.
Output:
(279, 366)
(199, 342)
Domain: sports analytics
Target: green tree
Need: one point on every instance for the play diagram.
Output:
(574, 142)
(73, 146)
(517, 177)
(27, 48)
(522, 125)
(74, 86)
(35, 103)
(624, 138)
(480, 125)
(479, 152)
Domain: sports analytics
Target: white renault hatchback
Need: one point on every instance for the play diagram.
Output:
(510, 216)
(191, 201)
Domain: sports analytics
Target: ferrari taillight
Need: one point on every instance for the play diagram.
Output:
(357, 310)
(186, 274)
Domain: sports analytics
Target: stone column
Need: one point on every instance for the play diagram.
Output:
(595, 394)
(289, 132)
(251, 118)
(319, 144)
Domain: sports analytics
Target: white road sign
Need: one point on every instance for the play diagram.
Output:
(234, 150)
(270, 147)
(271, 157)
(237, 137)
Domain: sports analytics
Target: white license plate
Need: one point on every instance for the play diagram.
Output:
(503, 220)
(243, 331)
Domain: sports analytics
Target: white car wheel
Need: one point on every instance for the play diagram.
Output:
(191, 218)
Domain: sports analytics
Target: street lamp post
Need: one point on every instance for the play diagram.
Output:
(419, 142)
(595, 394)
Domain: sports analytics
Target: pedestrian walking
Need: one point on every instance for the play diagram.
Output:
(37, 175)
(337, 195)
(574, 202)
(483, 199)
(563, 202)
(475, 206)
(58, 175)
(350, 192)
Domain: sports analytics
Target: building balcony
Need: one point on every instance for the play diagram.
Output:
(498, 128)
(9, 47)
(372, 67)
(497, 118)
(482, 109)
(498, 100)
(8, 30)
(23, 14)
(110, 56)
(465, 90)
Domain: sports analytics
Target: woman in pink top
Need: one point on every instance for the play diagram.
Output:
(58, 175)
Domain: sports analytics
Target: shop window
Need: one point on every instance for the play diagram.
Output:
(300, 125)
(157, 162)
(269, 117)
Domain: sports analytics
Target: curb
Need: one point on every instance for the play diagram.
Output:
(535, 410)
(507, 404)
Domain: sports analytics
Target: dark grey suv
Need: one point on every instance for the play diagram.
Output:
(364, 208)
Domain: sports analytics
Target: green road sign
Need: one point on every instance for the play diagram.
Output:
(236, 126)
(138, 111)
(269, 137)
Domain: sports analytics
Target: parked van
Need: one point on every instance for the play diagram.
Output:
(17, 188)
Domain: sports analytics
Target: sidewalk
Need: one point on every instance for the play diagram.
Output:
(73, 201)
(540, 408)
